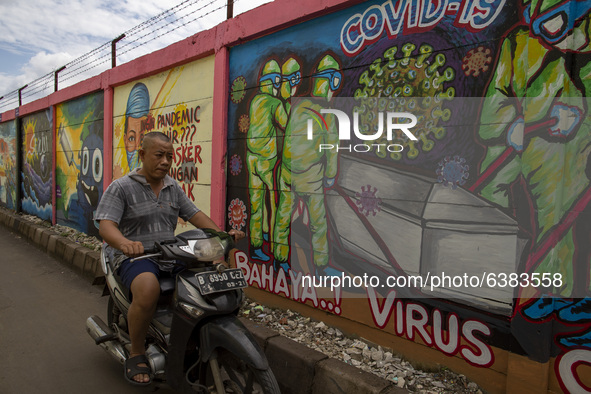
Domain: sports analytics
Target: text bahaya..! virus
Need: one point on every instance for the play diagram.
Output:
(410, 83)
(453, 172)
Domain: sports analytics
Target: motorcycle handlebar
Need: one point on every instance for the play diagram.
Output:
(145, 256)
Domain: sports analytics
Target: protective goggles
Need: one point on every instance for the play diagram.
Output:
(293, 79)
(275, 79)
(554, 24)
(334, 76)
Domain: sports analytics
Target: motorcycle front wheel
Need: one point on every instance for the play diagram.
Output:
(238, 377)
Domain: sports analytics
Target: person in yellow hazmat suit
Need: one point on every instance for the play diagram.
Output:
(267, 116)
(306, 170)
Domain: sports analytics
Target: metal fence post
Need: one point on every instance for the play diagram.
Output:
(114, 50)
(230, 9)
(55, 77)
(20, 101)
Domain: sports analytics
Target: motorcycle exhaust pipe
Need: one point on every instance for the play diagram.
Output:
(105, 338)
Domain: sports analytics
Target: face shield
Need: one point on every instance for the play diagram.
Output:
(554, 24)
(274, 78)
(334, 77)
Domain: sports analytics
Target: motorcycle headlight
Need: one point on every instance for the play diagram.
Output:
(191, 310)
(209, 249)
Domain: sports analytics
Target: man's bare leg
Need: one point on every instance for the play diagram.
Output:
(146, 290)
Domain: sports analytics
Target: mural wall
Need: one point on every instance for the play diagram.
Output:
(37, 163)
(79, 161)
(176, 102)
(497, 181)
(492, 183)
(8, 164)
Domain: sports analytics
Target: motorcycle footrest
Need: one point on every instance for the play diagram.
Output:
(105, 338)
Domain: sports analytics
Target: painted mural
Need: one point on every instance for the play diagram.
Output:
(79, 161)
(496, 182)
(178, 103)
(37, 163)
(8, 164)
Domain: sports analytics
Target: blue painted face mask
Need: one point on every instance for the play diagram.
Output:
(275, 79)
(334, 76)
(133, 159)
(556, 23)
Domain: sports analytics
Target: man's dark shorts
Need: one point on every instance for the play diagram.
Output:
(128, 270)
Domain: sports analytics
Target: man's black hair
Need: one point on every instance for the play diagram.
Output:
(149, 137)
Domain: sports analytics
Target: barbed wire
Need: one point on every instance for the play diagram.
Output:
(145, 25)
(149, 35)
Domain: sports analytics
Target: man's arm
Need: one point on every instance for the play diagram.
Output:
(110, 233)
(201, 220)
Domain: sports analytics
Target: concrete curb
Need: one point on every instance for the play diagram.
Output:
(82, 260)
(298, 369)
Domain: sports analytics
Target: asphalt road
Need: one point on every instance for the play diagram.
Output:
(44, 347)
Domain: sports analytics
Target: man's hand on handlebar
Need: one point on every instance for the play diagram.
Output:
(236, 234)
(132, 248)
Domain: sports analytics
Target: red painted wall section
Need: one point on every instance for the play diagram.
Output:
(53, 165)
(108, 137)
(219, 135)
(274, 16)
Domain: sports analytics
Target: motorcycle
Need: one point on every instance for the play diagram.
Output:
(195, 342)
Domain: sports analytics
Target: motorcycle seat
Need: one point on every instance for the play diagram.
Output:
(167, 285)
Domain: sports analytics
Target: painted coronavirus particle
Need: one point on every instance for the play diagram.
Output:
(476, 61)
(368, 201)
(453, 172)
(407, 82)
(235, 165)
(243, 123)
(237, 214)
(238, 90)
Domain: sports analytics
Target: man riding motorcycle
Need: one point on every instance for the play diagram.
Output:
(134, 212)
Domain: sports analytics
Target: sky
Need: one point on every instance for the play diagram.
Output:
(38, 37)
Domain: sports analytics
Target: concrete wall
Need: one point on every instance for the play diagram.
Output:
(498, 184)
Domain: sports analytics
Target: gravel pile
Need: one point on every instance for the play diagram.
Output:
(377, 360)
(83, 239)
(328, 340)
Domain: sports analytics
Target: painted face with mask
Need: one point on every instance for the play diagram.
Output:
(136, 114)
(327, 79)
(553, 21)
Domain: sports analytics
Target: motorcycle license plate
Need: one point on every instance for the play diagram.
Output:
(213, 282)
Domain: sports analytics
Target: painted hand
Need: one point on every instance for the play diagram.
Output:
(567, 117)
(515, 134)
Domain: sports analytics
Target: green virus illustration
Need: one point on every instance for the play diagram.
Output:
(409, 83)
(243, 123)
(238, 90)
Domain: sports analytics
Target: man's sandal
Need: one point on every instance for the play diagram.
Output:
(133, 369)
